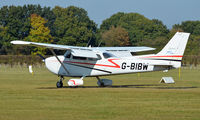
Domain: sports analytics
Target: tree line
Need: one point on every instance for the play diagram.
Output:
(72, 26)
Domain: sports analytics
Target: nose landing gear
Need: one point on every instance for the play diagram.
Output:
(59, 84)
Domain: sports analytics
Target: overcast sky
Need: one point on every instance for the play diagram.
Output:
(170, 12)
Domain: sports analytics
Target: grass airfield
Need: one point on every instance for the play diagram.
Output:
(35, 97)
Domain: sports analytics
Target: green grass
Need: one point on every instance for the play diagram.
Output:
(23, 96)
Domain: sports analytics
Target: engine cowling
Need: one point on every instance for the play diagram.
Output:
(104, 82)
(75, 82)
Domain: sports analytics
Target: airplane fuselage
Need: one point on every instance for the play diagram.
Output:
(110, 66)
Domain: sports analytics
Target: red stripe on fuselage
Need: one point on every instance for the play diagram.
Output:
(110, 60)
(163, 56)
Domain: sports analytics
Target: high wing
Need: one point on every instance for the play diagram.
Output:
(87, 51)
(76, 51)
(123, 51)
(47, 45)
(129, 49)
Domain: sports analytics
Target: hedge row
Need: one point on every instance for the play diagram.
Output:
(20, 59)
(33, 60)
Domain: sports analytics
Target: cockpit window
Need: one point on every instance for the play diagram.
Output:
(68, 55)
(108, 55)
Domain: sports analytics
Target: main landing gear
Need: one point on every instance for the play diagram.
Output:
(59, 84)
(100, 83)
(103, 82)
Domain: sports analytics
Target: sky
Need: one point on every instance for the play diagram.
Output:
(170, 12)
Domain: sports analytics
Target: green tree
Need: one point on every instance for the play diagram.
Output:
(193, 45)
(39, 33)
(193, 27)
(73, 26)
(116, 37)
(17, 23)
(4, 37)
(139, 27)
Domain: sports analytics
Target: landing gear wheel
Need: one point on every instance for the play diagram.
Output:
(59, 84)
(102, 84)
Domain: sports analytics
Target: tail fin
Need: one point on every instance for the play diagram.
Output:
(175, 47)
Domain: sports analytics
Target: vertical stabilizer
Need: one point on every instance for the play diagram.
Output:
(176, 46)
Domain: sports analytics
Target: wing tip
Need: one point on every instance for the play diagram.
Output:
(19, 42)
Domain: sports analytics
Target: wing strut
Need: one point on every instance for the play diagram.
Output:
(59, 61)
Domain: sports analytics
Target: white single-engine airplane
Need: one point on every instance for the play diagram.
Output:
(102, 61)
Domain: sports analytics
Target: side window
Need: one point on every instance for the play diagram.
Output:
(79, 58)
(95, 59)
(108, 55)
(92, 59)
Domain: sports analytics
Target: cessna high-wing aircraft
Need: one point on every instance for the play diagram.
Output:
(102, 61)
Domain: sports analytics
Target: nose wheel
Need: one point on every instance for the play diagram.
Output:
(59, 84)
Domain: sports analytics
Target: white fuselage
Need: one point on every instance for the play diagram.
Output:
(109, 66)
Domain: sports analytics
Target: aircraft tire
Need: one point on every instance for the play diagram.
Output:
(59, 84)
(102, 85)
